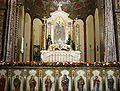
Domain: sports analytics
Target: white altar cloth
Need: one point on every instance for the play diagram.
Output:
(60, 56)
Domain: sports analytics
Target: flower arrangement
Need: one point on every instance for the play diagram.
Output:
(61, 64)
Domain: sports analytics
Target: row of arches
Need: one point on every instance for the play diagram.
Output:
(87, 31)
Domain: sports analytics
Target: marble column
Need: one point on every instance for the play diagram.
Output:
(6, 30)
(110, 46)
(17, 33)
(45, 31)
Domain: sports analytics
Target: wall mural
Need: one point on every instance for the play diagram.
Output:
(96, 81)
(65, 81)
(47, 79)
(110, 81)
(17, 81)
(3, 80)
(32, 81)
(80, 81)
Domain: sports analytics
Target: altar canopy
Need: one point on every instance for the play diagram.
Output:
(58, 31)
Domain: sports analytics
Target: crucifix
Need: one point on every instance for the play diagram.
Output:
(59, 6)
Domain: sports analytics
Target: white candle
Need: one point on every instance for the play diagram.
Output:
(22, 45)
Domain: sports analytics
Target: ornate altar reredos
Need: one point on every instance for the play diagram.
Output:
(58, 30)
(59, 26)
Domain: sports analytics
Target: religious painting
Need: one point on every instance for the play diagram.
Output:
(36, 53)
(48, 81)
(3, 80)
(65, 81)
(17, 81)
(80, 81)
(96, 81)
(32, 81)
(59, 32)
(110, 81)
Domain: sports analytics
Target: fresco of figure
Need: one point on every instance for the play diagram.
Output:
(110, 81)
(2, 83)
(32, 83)
(17, 83)
(65, 83)
(48, 83)
(96, 83)
(80, 84)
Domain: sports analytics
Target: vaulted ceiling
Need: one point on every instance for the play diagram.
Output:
(76, 8)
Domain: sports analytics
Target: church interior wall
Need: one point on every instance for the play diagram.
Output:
(30, 27)
(99, 41)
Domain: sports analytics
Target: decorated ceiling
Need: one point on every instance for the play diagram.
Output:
(76, 8)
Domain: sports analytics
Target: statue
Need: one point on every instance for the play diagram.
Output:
(96, 83)
(2, 83)
(80, 84)
(32, 83)
(110, 83)
(65, 83)
(69, 40)
(36, 53)
(73, 45)
(49, 42)
(17, 83)
(48, 84)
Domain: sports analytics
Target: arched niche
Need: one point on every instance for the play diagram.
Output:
(90, 38)
(97, 33)
(37, 32)
(79, 33)
(27, 34)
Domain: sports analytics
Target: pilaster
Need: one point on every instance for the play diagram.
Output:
(110, 45)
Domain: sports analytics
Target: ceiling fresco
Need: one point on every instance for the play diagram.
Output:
(76, 8)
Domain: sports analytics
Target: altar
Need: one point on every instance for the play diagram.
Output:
(60, 56)
(58, 41)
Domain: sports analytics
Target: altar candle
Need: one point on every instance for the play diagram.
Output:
(22, 45)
